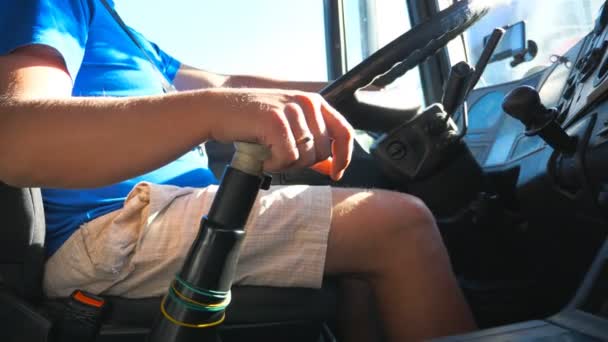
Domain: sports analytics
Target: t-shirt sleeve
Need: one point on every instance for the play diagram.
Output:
(167, 63)
(60, 24)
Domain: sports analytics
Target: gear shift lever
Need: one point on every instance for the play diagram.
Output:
(200, 293)
(523, 103)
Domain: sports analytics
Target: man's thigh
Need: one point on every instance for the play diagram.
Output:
(136, 251)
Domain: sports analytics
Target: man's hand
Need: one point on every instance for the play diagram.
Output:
(299, 128)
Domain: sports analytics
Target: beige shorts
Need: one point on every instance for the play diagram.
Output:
(135, 251)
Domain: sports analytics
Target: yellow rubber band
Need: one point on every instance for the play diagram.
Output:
(188, 325)
(225, 302)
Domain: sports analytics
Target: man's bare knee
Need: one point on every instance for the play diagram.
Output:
(369, 225)
(403, 213)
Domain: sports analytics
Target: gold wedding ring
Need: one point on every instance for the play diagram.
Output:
(304, 140)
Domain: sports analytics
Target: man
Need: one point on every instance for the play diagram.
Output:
(83, 107)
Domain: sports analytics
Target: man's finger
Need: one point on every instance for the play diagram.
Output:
(279, 138)
(304, 140)
(316, 124)
(342, 146)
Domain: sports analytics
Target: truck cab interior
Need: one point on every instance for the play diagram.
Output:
(495, 114)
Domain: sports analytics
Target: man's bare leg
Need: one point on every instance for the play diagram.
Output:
(391, 240)
(357, 317)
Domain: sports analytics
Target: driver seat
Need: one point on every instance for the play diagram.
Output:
(256, 313)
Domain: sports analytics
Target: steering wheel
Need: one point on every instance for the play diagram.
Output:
(394, 60)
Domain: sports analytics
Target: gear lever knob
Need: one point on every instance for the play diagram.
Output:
(523, 103)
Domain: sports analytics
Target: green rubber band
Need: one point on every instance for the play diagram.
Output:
(208, 293)
(194, 306)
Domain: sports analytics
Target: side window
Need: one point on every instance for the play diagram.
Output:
(370, 25)
(275, 38)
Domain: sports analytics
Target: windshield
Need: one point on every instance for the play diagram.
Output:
(554, 25)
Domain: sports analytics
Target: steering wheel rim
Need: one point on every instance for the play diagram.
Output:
(396, 58)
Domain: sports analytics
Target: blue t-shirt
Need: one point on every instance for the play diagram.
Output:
(103, 61)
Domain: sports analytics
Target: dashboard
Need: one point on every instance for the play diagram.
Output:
(496, 138)
(501, 158)
(577, 87)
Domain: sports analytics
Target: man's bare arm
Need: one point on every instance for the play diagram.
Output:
(190, 78)
(50, 139)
